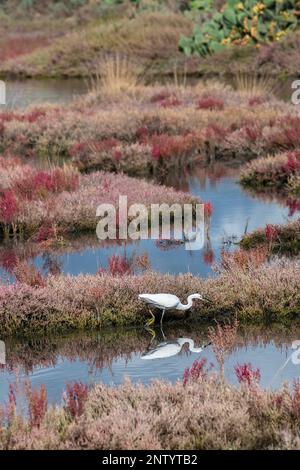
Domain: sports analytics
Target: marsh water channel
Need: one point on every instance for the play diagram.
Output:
(113, 354)
(23, 93)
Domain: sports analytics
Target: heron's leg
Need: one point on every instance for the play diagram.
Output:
(151, 320)
(162, 333)
(152, 333)
(162, 316)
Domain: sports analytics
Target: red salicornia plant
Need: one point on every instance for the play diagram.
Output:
(208, 256)
(46, 232)
(208, 209)
(271, 232)
(8, 210)
(12, 403)
(197, 371)
(118, 265)
(210, 103)
(37, 404)
(246, 374)
(293, 205)
(76, 396)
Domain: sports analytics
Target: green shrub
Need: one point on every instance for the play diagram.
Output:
(242, 23)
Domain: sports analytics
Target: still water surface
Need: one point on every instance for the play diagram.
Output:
(110, 356)
(23, 93)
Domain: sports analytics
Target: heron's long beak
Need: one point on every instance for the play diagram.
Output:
(207, 299)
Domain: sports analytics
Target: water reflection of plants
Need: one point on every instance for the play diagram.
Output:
(16, 256)
(271, 195)
(100, 349)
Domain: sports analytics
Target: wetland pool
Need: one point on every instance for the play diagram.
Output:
(112, 355)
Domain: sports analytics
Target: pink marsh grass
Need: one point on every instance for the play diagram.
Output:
(281, 238)
(60, 200)
(246, 374)
(199, 413)
(100, 135)
(273, 172)
(265, 292)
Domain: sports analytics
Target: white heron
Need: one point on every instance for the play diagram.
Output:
(171, 348)
(168, 302)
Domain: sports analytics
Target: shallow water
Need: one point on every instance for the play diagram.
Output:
(112, 355)
(233, 210)
(23, 93)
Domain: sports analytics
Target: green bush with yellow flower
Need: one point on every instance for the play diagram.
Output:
(243, 23)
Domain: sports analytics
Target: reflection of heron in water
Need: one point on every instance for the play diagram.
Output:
(170, 348)
(2, 353)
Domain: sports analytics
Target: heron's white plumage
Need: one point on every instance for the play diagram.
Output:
(168, 301)
(161, 300)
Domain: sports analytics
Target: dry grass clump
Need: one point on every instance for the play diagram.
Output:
(262, 293)
(116, 75)
(174, 94)
(254, 85)
(202, 413)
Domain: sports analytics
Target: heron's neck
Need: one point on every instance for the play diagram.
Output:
(186, 306)
(182, 341)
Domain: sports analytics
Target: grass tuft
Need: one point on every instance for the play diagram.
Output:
(115, 75)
